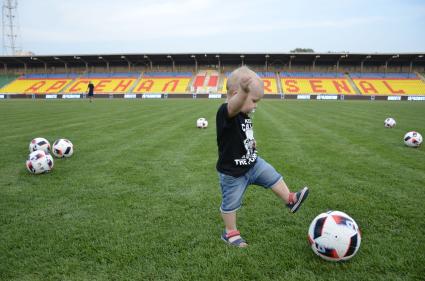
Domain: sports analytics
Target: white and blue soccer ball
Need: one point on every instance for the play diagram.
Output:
(62, 148)
(334, 236)
(413, 139)
(39, 144)
(201, 123)
(39, 162)
(389, 122)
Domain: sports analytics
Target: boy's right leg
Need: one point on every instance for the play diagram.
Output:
(232, 190)
(229, 221)
(232, 235)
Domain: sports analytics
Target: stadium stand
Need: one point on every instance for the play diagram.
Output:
(315, 83)
(296, 75)
(223, 88)
(6, 79)
(39, 84)
(164, 82)
(211, 81)
(312, 74)
(199, 80)
(205, 81)
(104, 83)
(388, 83)
(270, 82)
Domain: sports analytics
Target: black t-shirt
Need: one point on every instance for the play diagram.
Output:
(235, 141)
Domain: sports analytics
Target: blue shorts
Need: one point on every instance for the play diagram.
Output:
(233, 189)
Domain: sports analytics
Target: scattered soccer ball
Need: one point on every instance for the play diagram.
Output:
(389, 123)
(39, 144)
(62, 148)
(334, 236)
(202, 123)
(413, 139)
(39, 162)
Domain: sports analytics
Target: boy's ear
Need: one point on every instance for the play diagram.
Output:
(232, 92)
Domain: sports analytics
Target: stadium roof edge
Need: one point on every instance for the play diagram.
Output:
(209, 58)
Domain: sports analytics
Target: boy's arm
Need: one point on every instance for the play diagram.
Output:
(236, 102)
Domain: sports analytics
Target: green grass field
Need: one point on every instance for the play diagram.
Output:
(139, 199)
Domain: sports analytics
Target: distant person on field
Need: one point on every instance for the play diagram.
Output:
(90, 90)
(238, 164)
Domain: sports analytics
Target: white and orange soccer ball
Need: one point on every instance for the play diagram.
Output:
(389, 123)
(413, 139)
(39, 162)
(201, 123)
(62, 148)
(334, 236)
(39, 144)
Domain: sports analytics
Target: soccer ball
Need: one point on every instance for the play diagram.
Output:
(62, 148)
(201, 123)
(413, 139)
(39, 144)
(389, 123)
(334, 236)
(39, 162)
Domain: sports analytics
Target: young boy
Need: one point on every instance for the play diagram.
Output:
(238, 164)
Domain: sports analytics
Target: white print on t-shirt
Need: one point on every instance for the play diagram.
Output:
(249, 143)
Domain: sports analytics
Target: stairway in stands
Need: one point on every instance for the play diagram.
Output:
(421, 76)
(353, 85)
(206, 81)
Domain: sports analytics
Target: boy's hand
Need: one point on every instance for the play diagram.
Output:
(245, 82)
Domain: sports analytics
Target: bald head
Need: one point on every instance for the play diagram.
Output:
(244, 79)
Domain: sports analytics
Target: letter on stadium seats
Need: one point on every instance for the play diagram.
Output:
(175, 82)
(100, 87)
(56, 87)
(146, 85)
(35, 87)
(123, 85)
(316, 86)
(367, 87)
(267, 84)
(292, 86)
(76, 87)
(341, 86)
(392, 90)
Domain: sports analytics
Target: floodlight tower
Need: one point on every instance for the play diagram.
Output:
(10, 27)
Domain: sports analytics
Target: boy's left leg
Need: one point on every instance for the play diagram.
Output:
(281, 190)
(292, 200)
(264, 174)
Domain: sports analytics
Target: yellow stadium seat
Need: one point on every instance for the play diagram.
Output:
(390, 86)
(316, 86)
(102, 85)
(36, 86)
(162, 85)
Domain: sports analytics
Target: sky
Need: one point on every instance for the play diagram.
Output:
(54, 27)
